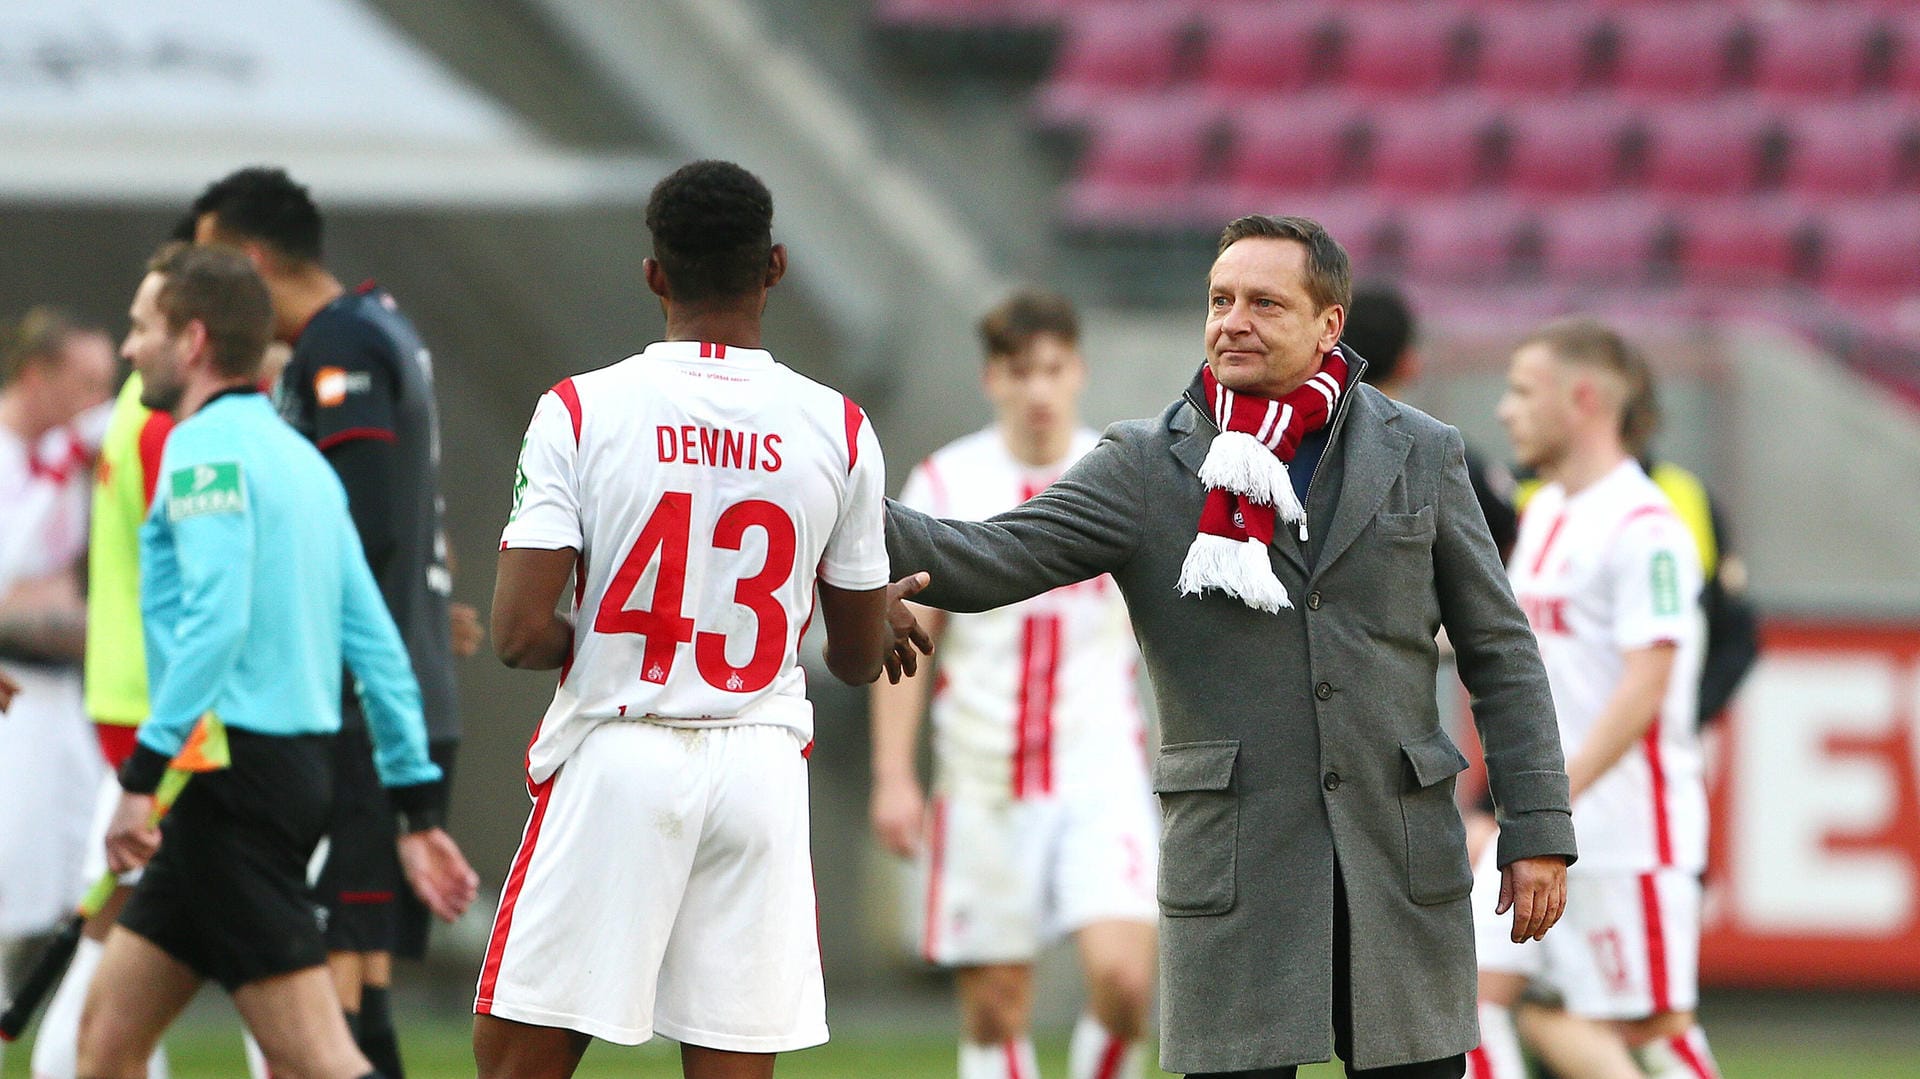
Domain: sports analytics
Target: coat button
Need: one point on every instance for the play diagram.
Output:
(1313, 601)
(1331, 781)
(1323, 690)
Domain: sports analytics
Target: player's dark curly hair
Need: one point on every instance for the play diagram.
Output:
(712, 226)
(264, 205)
(1380, 326)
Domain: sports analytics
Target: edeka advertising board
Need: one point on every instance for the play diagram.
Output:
(1814, 875)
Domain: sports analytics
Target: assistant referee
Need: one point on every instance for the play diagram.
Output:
(254, 590)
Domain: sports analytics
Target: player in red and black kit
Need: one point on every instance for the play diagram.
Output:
(360, 385)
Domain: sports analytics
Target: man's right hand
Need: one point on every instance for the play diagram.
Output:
(908, 634)
(898, 808)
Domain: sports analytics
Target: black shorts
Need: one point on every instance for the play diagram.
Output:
(369, 906)
(227, 892)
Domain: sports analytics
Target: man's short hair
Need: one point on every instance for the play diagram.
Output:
(266, 206)
(1011, 325)
(35, 338)
(1380, 327)
(221, 289)
(1329, 273)
(712, 228)
(1592, 343)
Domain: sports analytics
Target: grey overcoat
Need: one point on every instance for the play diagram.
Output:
(1289, 740)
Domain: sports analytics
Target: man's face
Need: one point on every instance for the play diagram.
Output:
(1264, 334)
(1036, 391)
(1537, 409)
(82, 378)
(156, 352)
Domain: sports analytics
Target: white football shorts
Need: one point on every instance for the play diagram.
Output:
(1627, 947)
(664, 885)
(1001, 878)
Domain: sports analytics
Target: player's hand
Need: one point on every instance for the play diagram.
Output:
(8, 688)
(469, 633)
(132, 836)
(908, 633)
(898, 808)
(438, 872)
(1535, 889)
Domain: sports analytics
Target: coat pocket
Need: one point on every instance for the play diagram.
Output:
(1200, 825)
(1437, 868)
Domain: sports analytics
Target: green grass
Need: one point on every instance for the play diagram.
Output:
(208, 1047)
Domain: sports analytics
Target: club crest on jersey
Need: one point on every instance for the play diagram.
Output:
(656, 675)
(204, 490)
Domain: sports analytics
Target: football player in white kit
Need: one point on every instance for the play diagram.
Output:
(1610, 580)
(1042, 821)
(686, 501)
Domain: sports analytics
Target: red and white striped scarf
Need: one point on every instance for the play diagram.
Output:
(1247, 483)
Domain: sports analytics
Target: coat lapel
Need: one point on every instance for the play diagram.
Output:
(1374, 451)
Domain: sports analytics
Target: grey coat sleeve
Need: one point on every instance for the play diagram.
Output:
(1084, 525)
(1500, 664)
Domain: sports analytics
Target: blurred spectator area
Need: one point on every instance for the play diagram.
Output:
(1702, 158)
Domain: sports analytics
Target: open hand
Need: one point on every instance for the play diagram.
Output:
(438, 872)
(902, 660)
(1535, 889)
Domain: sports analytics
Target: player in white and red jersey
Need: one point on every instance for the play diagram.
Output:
(687, 500)
(1610, 580)
(1042, 821)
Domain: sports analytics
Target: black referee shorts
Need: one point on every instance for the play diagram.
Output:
(227, 892)
(369, 906)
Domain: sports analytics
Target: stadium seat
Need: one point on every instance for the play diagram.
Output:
(1398, 49)
(1867, 251)
(1568, 147)
(1472, 240)
(1537, 50)
(1673, 50)
(1296, 143)
(1140, 168)
(1718, 147)
(1903, 41)
(1437, 148)
(1108, 55)
(1261, 48)
(1614, 240)
(1818, 51)
(1856, 148)
(1744, 242)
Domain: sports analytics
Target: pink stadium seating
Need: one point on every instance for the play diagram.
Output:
(1867, 251)
(1108, 54)
(1566, 147)
(1535, 50)
(1674, 50)
(1140, 168)
(1813, 50)
(1470, 240)
(1853, 148)
(1261, 48)
(1905, 40)
(1293, 144)
(1438, 148)
(1714, 148)
(1741, 242)
(1390, 50)
(1617, 240)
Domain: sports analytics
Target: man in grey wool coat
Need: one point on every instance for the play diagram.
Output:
(1289, 542)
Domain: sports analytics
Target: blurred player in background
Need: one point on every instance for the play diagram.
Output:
(359, 384)
(1042, 822)
(53, 374)
(1609, 578)
(254, 590)
(691, 501)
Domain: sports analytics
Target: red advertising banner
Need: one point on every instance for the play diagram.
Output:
(1814, 876)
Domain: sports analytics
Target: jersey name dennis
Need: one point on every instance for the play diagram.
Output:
(718, 447)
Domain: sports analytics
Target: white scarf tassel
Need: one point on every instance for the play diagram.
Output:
(1239, 463)
(1240, 569)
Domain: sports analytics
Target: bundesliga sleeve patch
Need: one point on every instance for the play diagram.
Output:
(206, 490)
(1666, 584)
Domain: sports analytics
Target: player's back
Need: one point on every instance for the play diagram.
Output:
(705, 485)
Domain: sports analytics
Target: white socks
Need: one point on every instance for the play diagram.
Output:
(1498, 1056)
(56, 1049)
(1006, 1060)
(1684, 1057)
(1096, 1054)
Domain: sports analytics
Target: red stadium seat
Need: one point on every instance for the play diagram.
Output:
(1569, 147)
(1674, 50)
(1813, 51)
(1261, 48)
(1868, 252)
(1393, 50)
(1618, 240)
(1439, 148)
(1108, 55)
(1855, 148)
(1714, 148)
(1297, 143)
(1471, 240)
(1535, 50)
(1743, 242)
(1904, 40)
(1140, 168)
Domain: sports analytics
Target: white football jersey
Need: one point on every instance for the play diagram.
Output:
(1603, 572)
(705, 486)
(1042, 693)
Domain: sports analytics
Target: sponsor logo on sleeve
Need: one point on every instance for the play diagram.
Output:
(333, 385)
(1666, 585)
(206, 490)
(519, 482)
